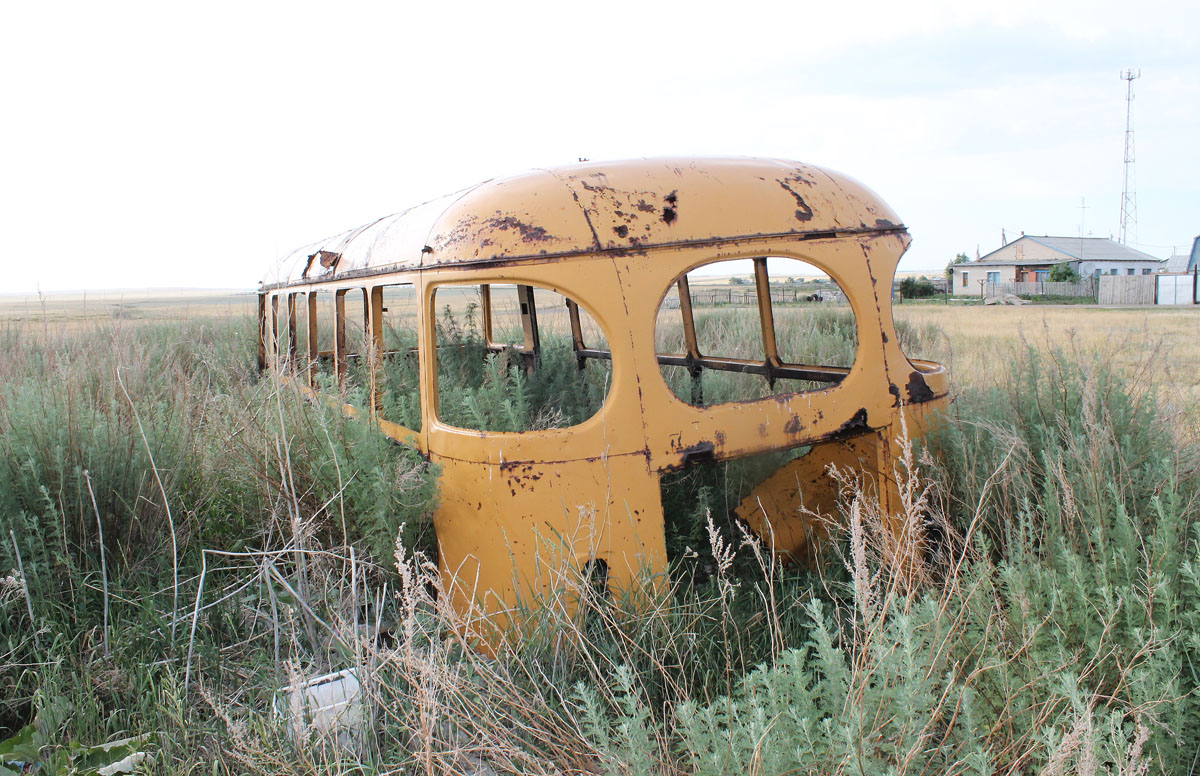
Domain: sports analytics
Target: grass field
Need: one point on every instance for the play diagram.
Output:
(972, 333)
(1157, 348)
(58, 310)
(183, 541)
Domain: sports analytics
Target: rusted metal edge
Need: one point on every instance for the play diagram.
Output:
(786, 371)
(508, 465)
(856, 426)
(534, 258)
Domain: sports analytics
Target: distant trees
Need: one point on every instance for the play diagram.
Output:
(961, 258)
(738, 281)
(917, 288)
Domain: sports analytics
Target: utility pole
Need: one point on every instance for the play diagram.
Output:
(1082, 214)
(1128, 195)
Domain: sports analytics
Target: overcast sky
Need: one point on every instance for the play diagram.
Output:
(167, 144)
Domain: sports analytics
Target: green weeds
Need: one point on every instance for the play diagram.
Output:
(1052, 627)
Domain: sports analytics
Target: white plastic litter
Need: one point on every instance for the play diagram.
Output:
(328, 707)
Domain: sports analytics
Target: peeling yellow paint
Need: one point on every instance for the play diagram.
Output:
(517, 509)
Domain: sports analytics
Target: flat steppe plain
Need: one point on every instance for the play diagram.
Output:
(67, 310)
(1155, 347)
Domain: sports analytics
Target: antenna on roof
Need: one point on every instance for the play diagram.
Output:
(1003, 238)
(1128, 195)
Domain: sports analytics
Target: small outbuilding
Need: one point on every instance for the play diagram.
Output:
(1184, 262)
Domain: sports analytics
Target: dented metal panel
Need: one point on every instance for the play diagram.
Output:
(614, 239)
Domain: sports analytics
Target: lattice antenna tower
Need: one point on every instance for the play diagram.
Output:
(1128, 195)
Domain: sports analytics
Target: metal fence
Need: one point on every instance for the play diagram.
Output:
(1111, 289)
(748, 296)
(1176, 289)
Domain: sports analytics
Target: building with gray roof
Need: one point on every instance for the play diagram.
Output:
(1184, 262)
(1030, 259)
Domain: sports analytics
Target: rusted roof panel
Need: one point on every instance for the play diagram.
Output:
(394, 239)
(611, 206)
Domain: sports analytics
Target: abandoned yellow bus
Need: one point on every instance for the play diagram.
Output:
(589, 293)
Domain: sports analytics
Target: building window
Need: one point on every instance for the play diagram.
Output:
(993, 277)
(1131, 271)
(1146, 271)
(1042, 275)
(1098, 272)
(964, 278)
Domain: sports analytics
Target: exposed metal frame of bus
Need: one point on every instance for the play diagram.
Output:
(608, 467)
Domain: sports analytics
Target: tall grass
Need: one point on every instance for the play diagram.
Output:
(91, 424)
(1053, 626)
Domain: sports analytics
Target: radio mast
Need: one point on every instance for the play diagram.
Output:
(1128, 195)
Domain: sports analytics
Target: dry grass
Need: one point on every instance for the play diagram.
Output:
(978, 339)
(75, 310)
(975, 345)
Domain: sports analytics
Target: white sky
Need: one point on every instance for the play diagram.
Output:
(164, 144)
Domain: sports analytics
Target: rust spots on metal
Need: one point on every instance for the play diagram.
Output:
(798, 176)
(871, 273)
(460, 234)
(803, 211)
(856, 425)
(504, 493)
(671, 210)
(528, 233)
(697, 453)
(918, 389)
(594, 188)
(521, 474)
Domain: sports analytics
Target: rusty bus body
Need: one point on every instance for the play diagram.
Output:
(615, 239)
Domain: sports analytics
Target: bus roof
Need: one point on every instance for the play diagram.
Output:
(598, 207)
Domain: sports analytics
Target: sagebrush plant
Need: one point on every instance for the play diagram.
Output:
(1052, 624)
(84, 414)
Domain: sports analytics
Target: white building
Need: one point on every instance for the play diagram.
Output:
(1184, 262)
(1030, 259)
